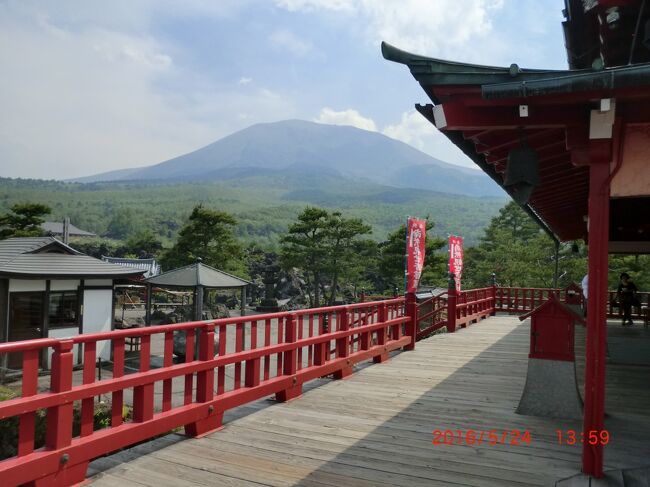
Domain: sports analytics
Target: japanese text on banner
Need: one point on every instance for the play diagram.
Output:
(415, 249)
(456, 258)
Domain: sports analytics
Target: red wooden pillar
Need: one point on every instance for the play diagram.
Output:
(382, 317)
(59, 418)
(411, 304)
(321, 349)
(343, 344)
(29, 388)
(212, 420)
(594, 410)
(143, 395)
(290, 364)
(451, 304)
(58, 434)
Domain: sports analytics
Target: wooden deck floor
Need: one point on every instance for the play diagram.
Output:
(374, 429)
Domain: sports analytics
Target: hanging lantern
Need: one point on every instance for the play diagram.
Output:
(522, 174)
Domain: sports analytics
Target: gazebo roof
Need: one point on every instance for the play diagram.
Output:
(197, 274)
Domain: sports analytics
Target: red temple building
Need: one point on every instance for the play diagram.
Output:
(368, 394)
(570, 146)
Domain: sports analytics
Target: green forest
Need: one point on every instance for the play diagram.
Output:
(337, 237)
(264, 207)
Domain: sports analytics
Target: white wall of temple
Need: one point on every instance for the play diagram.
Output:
(98, 282)
(26, 285)
(64, 285)
(98, 317)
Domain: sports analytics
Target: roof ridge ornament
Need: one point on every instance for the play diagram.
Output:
(514, 70)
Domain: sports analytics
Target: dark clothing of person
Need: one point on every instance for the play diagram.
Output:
(627, 297)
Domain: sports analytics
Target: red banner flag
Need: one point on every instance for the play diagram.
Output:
(415, 249)
(456, 258)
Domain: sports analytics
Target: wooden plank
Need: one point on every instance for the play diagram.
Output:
(375, 427)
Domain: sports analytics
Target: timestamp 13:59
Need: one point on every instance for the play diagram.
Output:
(592, 437)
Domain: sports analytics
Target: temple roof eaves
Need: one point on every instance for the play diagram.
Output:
(433, 71)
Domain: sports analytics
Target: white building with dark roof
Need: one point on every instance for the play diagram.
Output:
(50, 290)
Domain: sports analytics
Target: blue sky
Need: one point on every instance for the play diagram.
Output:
(91, 86)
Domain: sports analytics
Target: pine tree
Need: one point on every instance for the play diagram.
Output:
(23, 220)
(208, 235)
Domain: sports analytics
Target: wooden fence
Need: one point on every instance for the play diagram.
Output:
(257, 356)
(272, 354)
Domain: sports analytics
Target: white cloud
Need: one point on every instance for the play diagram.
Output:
(286, 40)
(346, 117)
(244, 80)
(437, 27)
(298, 5)
(87, 98)
(412, 129)
(415, 130)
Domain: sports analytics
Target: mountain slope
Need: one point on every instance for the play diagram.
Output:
(314, 148)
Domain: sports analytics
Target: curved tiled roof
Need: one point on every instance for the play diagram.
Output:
(33, 257)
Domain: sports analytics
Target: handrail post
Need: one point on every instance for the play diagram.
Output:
(59, 418)
(451, 304)
(289, 364)
(411, 304)
(343, 344)
(382, 317)
(58, 434)
(143, 394)
(213, 420)
(493, 311)
(321, 349)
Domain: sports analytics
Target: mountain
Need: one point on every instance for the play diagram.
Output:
(314, 149)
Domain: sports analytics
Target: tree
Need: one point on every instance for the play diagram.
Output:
(23, 220)
(520, 253)
(96, 247)
(637, 266)
(343, 247)
(325, 246)
(143, 244)
(124, 222)
(208, 234)
(392, 251)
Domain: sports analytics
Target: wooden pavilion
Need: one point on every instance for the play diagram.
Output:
(198, 277)
(570, 146)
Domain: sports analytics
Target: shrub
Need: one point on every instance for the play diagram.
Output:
(9, 427)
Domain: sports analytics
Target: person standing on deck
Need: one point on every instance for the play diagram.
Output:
(585, 287)
(626, 297)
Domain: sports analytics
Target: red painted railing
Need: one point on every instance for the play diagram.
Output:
(614, 310)
(452, 310)
(432, 314)
(521, 300)
(258, 356)
(473, 305)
